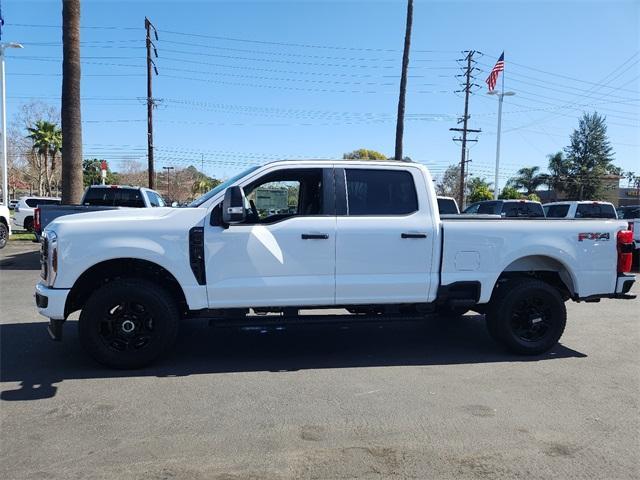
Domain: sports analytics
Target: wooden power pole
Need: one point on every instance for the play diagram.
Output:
(403, 82)
(150, 101)
(467, 91)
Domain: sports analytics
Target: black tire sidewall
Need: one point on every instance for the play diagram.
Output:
(499, 323)
(4, 239)
(159, 304)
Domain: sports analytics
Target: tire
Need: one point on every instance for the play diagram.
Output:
(28, 224)
(527, 316)
(128, 323)
(4, 235)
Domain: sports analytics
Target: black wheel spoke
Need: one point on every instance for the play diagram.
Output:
(126, 326)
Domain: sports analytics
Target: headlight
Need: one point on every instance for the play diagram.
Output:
(49, 257)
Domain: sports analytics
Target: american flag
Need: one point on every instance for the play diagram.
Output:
(492, 79)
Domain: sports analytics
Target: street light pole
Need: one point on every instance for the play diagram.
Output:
(5, 169)
(501, 96)
(168, 169)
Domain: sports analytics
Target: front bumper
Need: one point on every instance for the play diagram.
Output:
(51, 301)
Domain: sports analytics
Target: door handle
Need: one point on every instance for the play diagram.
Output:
(314, 236)
(414, 235)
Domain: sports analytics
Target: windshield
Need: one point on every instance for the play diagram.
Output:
(211, 193)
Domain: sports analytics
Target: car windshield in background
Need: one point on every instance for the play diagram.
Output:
(211, 193)
(595, 210)
(114, 197)
(556, 211)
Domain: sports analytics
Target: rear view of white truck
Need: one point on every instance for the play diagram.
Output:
(364, 236)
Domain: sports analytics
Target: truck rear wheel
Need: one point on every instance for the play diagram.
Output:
(527, 316)
(4, 235)
(128, 323)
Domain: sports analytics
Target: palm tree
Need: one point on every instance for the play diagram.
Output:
(529, 179)
(403, 82)
(47, 141)
(72, 184)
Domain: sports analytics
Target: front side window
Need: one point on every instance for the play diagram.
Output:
(380, 192)
(285, 193)
(472, 209)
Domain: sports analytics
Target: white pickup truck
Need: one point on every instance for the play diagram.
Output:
(360, 235)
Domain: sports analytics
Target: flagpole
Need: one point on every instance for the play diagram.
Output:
(496, 189)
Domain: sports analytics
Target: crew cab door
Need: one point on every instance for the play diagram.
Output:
(284, 253)
(385, 236)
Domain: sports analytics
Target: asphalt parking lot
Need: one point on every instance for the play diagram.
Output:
(410, 401)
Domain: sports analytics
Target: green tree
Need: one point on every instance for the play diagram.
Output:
(479, 193)
(91, 174)
(558, 168)
(510, 193)
(589, 157)
(449, 184)
(364, 154)
(533, 197)
(47, 142)
(528, 179)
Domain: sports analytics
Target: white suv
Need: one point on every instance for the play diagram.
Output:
(23, 218)
(5, 228)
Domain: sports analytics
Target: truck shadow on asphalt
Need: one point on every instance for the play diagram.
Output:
(29, 260)
(29, 357)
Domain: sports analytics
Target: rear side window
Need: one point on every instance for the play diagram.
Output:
(447, 206)
(556, 211)
(380, 192)
(34, 202)
(595, 210)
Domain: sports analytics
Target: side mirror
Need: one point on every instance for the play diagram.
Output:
(174, 204)
(233, 206)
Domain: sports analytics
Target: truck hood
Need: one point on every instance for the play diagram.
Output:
(131, 214)
(129, 219)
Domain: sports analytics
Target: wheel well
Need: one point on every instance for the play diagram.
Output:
(4, 221)
(109, 270)
(543, 268)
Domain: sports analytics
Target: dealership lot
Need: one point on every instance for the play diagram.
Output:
(431, 400)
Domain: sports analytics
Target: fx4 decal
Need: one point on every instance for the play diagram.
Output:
(593, 236)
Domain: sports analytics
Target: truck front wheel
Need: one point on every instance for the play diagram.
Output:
(128, 323)
(527, 316)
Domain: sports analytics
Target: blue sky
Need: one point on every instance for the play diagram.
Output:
(243, 82)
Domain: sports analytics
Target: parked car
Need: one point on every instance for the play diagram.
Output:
(100, 197)
(507, 208)
(579, 209)
(25, 208)
(448, 206)
(363, 236)
(13, 203)
(5, 226)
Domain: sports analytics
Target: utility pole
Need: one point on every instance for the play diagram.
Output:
(168, 169)
(468, 70)
(150, 101)
(403, 82)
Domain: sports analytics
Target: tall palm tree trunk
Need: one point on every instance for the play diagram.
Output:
(71, 119)
(403, 81)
